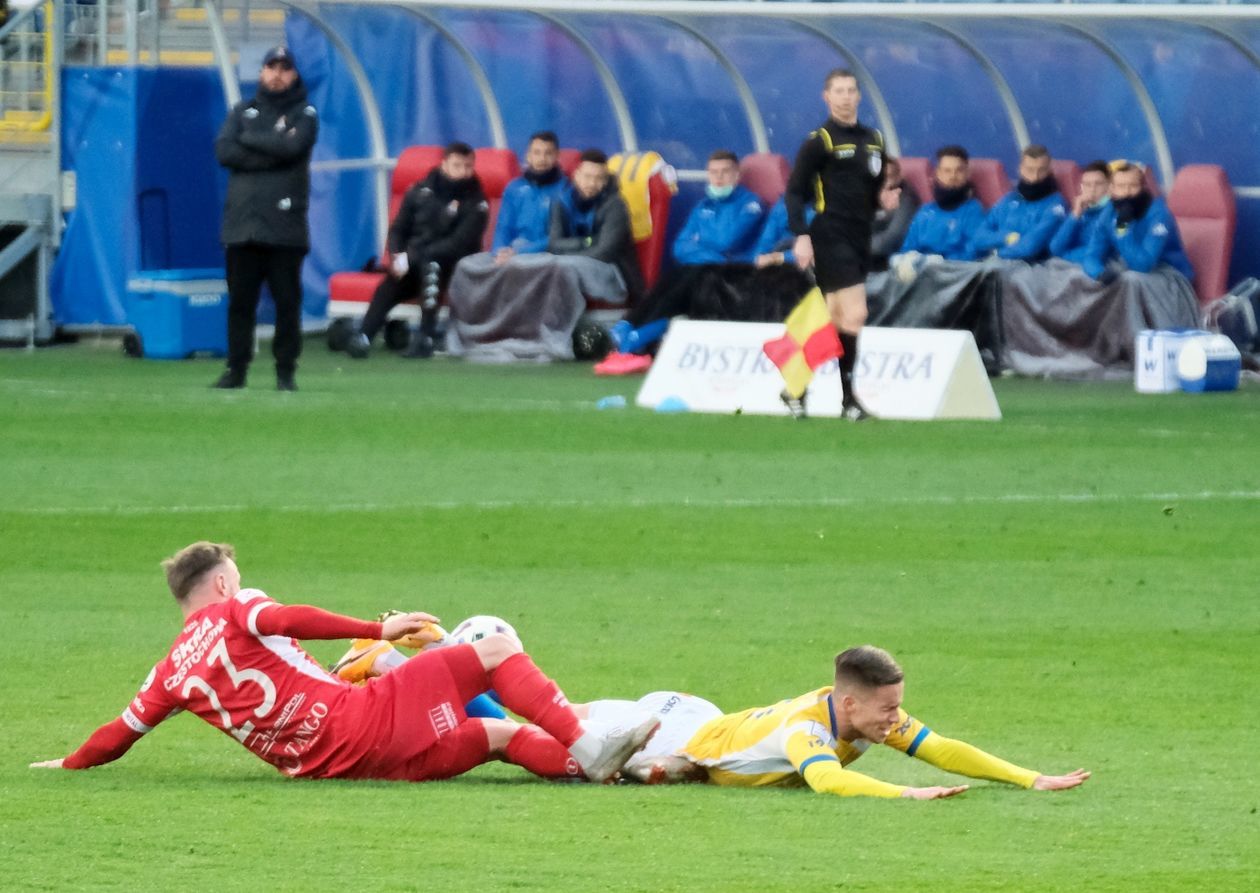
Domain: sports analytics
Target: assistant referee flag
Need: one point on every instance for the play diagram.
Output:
(810, 341)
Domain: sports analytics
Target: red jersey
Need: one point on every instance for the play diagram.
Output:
(263, 690)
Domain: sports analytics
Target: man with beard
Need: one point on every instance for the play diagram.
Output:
(945, 226)
(441, 220)
(590, 219)
(1137, 230)
(1021, 225)
(265, 144)
(525, 213)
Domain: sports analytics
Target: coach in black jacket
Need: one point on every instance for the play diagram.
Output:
(441, 220)
(591, 219)
(265, 144)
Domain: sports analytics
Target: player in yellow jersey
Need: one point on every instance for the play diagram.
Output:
(812, 739)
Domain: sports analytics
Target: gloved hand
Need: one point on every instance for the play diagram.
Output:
(400, 265)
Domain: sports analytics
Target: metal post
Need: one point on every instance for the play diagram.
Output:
(54, 131)
(133, 31)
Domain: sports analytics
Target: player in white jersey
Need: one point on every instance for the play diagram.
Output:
(810, 740)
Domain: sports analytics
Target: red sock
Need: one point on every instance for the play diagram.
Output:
(535, 750)
(526, 691)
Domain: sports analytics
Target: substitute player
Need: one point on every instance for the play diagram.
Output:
(237, 666)
(810, 740)
(840, 171)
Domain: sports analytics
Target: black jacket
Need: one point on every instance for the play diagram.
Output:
(266, 144)
(440, 220)
(840, 170)
(602, 232)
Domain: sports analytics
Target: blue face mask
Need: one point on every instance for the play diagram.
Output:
(717, 193)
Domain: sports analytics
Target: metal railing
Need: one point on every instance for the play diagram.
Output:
(26, 75)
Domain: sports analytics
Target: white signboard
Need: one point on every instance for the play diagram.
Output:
(923, 374)
(901, 374)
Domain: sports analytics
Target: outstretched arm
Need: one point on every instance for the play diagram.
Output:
(105, 745)
(964, 759)
(308, 622)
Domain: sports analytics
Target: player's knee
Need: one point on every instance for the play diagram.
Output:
(498, 733)
(854, 319)
(495, 649)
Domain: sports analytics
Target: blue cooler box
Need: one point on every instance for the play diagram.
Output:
(177, 313)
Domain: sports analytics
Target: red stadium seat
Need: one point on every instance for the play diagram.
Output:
(1203, 202)
(989, 178)
(1068, 175)
(917, 174)
(569, 159)
(765, 174)
(495, 168)
(349, 293)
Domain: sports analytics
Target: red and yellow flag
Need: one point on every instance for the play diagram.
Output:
(810, 341)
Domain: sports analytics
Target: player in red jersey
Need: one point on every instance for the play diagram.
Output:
(236, 665)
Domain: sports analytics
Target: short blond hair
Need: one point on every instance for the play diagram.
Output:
(189, 566)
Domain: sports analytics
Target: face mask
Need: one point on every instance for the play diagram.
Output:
(717, 193)
(1132, 208)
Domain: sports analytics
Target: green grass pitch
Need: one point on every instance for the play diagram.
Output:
(1075, 585)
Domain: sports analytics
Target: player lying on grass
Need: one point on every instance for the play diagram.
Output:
(809, 740)
(236, 665)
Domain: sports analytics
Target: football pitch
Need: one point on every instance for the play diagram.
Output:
(1074, 586)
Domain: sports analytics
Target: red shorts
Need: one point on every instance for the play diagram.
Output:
(415, 718)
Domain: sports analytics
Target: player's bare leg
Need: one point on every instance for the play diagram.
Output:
(847, 308)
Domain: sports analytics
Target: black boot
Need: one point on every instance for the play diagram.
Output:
(424, 340)
(230, 380)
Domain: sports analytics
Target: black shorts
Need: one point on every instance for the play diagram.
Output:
(842, 252)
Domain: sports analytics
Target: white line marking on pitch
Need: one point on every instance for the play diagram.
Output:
(649, 502)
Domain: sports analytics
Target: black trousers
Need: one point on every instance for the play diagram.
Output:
(388, 295)
(392, 292)
(248, 267)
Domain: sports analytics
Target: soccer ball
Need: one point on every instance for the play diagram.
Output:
(476, 628)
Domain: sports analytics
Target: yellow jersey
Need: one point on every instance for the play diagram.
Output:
(796, 742)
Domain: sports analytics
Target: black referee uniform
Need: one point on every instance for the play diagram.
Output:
(840, 170)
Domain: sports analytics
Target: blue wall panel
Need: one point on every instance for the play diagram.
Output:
(541, 78)
(1075, 100)
(789, 96)
(682, 101)
(937, 91)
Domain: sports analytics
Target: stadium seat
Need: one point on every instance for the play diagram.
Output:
(989, 178)
(569, 159)
(1067, 174)
(495, 168)
(917, 174)
(1202, 200)
(350, 292)
(648, 185)
(765, 174)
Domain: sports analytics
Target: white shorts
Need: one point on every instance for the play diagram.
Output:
(681, 716)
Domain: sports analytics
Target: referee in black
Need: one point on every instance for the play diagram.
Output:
(840, 170)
